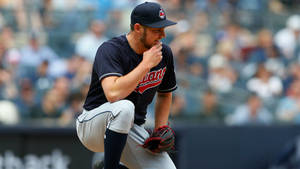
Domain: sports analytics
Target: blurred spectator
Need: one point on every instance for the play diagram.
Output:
(115, 23)
(10, 55)
(288, 109)
(41, 80)
(12, 60)
(221, 76)
(228, 50)
(288, 38)
(117, 18)
(183, 46)
(26, 103)
(8, 88)
(85, 87)
(58, 67)
(54, 100)
(264, 84)
(61, 88)
(87, 45)
(177, 108)
(34, 54)
(181, 61)
(73, 109)
(50, 106)
(62, 23)
(81, 74)
(292, 75)
(210, 109)
(8, 36)
(74, 62)
(231, 41)
(46, 14)
(249, 12)
(267, 52)
(187, 65)
(27, 15)
(252, 112)
(217, 10)
(237, 36)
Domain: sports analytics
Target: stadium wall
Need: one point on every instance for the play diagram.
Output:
(198, 147)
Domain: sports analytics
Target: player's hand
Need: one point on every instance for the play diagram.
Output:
(160, 140)
(153, 56)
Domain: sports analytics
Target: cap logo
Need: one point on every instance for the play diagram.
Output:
(162, 13)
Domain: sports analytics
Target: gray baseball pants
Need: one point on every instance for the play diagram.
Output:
(118, 117)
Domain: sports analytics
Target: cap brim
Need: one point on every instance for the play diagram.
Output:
(161, 24)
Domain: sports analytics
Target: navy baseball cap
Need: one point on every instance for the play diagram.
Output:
(150, 14)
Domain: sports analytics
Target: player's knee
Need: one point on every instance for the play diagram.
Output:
(124, 117)
(126, 108)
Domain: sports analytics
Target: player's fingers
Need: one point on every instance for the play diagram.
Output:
(153, 49)
(158, 43)
(158, 47)
(159, 53)
(159, 57)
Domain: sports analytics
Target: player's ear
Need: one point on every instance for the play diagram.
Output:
(138, 28)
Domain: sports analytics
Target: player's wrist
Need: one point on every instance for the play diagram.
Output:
(145, 66)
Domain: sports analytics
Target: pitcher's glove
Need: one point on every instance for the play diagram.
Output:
(160, 140)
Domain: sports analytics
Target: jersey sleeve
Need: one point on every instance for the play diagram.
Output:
(168, 83)
(108, 61)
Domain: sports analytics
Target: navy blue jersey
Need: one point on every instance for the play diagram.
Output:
(116, 58)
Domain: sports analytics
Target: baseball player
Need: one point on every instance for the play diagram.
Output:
(127, 72)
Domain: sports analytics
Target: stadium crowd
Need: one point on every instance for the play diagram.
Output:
(237, 61)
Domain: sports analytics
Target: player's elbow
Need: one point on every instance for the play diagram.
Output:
(112, 100)
(112, 97)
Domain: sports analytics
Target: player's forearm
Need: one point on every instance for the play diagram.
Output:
(124, 85)
(162, 109)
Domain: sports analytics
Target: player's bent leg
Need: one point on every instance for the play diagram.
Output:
(122, 116)
(134, 156)
(120, 122)
(91, 125)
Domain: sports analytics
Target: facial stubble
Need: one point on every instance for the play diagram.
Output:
(143, 39)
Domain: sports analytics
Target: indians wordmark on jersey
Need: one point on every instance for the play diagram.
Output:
(152, 79)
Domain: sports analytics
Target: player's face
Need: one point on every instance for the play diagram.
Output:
(152, 36)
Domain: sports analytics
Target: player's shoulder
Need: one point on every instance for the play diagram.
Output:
(166, 49)
(112, 46)
(116, 42)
